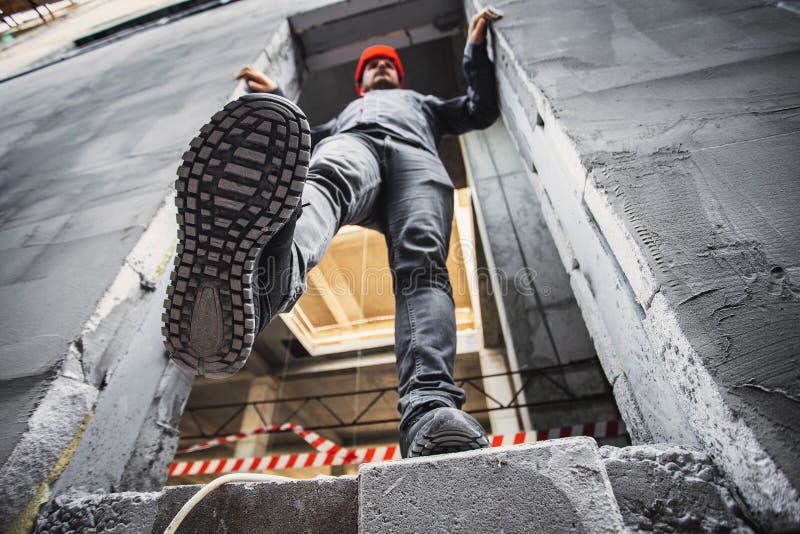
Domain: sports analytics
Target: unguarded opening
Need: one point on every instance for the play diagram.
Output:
(524, 356)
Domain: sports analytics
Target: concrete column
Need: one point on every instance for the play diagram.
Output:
(262, 388)
(500, 388)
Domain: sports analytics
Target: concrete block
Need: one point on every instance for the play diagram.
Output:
(667, 488)
(553, 486)
(295, 506)
(113, 513)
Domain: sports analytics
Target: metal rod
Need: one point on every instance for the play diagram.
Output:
(561, 388)
(533, 372)
(288, 417)
(231, 418)
(482, 392)
(541, 404)
(370, 405)
(520, 390)
(319, 400)
(197, 424)
(260, 415)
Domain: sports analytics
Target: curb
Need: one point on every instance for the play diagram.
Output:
(171, 12)
(117, 32)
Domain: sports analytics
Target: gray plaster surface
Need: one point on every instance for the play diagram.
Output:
(293, 506)
(89, 149)
(667, 488)
(674, 130)
(553, 486)
(154, 448)
(118, 442)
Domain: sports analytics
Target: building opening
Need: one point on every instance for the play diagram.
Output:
(524, 358)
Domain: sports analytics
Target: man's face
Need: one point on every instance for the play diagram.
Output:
(379, 73)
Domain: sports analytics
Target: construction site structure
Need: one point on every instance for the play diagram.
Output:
(625, 261)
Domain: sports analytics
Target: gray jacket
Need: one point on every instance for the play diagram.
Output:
(422, 119)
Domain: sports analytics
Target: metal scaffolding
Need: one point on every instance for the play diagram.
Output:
(472, 382)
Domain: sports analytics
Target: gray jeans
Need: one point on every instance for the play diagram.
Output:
(403, 191)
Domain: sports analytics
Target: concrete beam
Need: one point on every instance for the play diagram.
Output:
(658, 165)
(396, 39)
(112, 438)
(264, 388)
(282, 60)
(322, 366)
(365, 23)
(159, 434)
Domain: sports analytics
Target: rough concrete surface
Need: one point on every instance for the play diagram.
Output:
(326, 504)
(667, 488)
(608, 305)
(553, 486)
(89, 148)
(112, 437)
(116, 513)
(675, 126)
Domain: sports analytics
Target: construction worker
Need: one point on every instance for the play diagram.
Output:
(245, 249)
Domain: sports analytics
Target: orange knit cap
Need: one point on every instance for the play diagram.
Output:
(373, 52)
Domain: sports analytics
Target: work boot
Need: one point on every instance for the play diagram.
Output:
(275, 272)
(440, 431)
(240, 183)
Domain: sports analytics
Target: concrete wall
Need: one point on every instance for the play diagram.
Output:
(90, 146)
(664, 136)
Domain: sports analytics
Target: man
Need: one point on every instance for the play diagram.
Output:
(245, 250)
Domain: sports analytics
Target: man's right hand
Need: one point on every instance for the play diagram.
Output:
(256, 80)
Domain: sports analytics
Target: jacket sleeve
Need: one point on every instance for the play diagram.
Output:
(321, 131)
(478, 108)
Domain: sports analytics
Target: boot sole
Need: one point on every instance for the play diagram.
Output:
(446, 442)
(239, 183)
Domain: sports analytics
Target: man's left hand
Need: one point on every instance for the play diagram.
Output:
(480, 22)
(256, 80)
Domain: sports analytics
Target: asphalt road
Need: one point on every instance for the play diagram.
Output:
(89, 148)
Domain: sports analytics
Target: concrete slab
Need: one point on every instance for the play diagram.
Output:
(667, 488)
(553, 486)
(288, 506)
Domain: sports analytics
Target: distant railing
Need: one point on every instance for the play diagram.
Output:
(343, 421)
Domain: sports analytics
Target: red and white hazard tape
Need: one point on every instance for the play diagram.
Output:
(340, 456)
(312, 438)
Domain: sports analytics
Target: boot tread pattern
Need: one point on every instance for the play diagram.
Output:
(447, 441)
(239, 183)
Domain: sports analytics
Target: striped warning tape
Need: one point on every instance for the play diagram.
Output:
(312, 438)
(283, 461)
(323, 445)
(340, 456)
